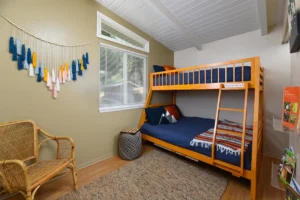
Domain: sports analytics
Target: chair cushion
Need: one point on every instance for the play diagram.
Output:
(47, 168)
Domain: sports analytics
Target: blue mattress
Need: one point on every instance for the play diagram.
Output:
(187, 78)
(182, 132)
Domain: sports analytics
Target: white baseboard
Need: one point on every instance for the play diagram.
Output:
(94, 161)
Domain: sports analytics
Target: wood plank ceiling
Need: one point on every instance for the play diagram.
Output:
(179, 24)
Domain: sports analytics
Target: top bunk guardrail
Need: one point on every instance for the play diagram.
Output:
(210, 76)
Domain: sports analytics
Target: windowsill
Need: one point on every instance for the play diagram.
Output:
(120, 108)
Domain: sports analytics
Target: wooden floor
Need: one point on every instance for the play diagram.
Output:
(237, 189)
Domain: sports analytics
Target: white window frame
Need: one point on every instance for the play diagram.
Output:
(132, 106)
(122, 29)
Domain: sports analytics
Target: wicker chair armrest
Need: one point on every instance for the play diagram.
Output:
(13, 174)
(65, 145)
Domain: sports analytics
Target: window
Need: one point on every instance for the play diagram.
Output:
(122, 79)
(110, 30)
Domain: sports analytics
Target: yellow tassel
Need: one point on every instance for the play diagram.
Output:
(81, 64)
(34, 59)
(45, 74)
(67, 67)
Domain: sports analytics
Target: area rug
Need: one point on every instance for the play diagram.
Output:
(156, 175)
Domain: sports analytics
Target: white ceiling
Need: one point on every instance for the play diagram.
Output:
(180, 24)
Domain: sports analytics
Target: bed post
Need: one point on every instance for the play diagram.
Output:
(148, 101)
(256, 67)
(174, 97)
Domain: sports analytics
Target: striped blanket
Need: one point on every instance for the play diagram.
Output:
(228, 143)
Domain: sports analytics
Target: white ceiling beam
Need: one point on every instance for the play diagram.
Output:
(262, 14)
(158, 6)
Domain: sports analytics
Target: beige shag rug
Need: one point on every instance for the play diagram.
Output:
(156, 175)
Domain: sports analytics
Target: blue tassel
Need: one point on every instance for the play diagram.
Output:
(25, 63)
(74, 71)
(19, 47)
(29, 56)
(39, 77)
(20, 64)
(11, 45)
(42, 70)
(15, 56)
(77, 65)
(37, 70)
(23, 53)
(87, 58)
(84, 62)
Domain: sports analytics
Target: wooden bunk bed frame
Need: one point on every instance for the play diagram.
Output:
(256, 82)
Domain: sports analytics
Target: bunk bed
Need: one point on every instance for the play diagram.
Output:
(243, 74)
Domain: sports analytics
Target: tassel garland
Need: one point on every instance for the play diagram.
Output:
(58, 74)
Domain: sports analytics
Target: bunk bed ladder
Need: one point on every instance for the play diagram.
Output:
(244, 111)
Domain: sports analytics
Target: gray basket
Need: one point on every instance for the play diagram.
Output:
(130, 146)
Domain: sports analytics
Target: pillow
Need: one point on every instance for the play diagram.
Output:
(154, 114)
(167, 67)
(158, 68)
(173, 110)
(164, 119)
(171, 119)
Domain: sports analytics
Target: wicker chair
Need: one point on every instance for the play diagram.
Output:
(18, 146)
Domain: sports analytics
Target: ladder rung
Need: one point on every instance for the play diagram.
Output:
(238, 88)
(232, 109)
(229, 132)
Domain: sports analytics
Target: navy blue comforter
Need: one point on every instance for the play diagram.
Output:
(182, 132)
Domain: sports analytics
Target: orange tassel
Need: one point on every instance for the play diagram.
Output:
(34, 60)
(45, 74)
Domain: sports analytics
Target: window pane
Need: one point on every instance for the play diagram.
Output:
(111, 77)
(135, 76)
(117, 35)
